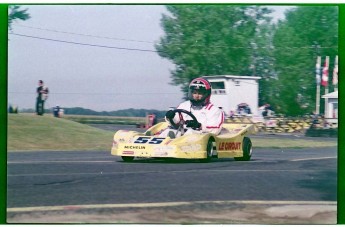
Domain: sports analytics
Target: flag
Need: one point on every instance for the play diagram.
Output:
(335, 71)
(335, 75)
(324, 79)
(318, 71)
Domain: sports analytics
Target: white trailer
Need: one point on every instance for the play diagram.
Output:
(229, 90)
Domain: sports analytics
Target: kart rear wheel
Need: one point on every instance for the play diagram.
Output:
(127, 158)
(247, 149)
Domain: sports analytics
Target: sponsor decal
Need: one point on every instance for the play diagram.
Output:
(128, 152)
(115, 145)
(231, 132)
(144, 139)
(135, 147)
(191, 148)
(229, 146)
(192, 138)
(163, 149)
(159, 132)
(234, 130)
(169, 141)
(161, 153)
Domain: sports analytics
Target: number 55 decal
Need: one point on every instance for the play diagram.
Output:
(147, 139)
(156, 140)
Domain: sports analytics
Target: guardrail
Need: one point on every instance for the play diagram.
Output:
(284, 125)
(97, 119)
(262, 124)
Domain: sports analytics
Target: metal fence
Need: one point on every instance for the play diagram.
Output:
(284, 124)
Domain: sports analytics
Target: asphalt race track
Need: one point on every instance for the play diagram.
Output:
(278, 186)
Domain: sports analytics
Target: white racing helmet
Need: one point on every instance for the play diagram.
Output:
(202, 85)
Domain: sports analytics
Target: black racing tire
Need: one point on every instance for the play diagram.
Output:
(247, 149)
(209, 151)
(127, 158)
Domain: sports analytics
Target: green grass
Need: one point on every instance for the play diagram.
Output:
(30, 132)
(291, 143)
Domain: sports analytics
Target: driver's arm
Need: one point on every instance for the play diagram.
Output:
(214, 121)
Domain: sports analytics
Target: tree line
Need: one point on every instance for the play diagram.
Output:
(242, 40)
(122, 113)
(224, 39)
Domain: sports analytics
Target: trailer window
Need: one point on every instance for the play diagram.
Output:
(217, 85)
(218, 88)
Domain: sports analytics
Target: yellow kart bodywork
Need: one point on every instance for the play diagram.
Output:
(228, 144)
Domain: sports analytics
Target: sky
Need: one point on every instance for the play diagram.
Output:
(98, 57)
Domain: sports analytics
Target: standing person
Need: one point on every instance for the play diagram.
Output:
(42, 95)
(209, 117)
(56, 111)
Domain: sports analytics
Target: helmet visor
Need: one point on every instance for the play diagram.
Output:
(197, 94)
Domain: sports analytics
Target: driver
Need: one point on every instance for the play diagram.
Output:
(209, 117)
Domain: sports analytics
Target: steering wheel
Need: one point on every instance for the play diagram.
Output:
(182, 121)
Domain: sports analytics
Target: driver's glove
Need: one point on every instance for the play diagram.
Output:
(170, 114)
(193, 124)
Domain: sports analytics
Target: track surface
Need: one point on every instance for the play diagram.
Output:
(290, 186)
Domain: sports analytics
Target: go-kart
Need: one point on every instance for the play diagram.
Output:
(232, 142)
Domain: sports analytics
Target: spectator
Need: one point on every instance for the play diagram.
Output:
(232, 114)
(56, 111)
(42, 95)
(13, 109)
(266, 110)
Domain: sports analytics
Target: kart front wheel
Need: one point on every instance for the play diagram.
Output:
(209, 151)
(127, 158)
(247, 150)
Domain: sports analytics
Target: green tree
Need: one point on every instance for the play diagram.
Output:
(16, 13)
(263, 61)
(209, 40)
(307, 32)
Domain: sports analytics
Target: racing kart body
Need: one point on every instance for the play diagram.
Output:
(232, 142)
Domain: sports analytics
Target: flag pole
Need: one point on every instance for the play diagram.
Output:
(318, 79)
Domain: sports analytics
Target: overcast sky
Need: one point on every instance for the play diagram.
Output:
(99, 57)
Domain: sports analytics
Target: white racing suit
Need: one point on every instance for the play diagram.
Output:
(210, 117)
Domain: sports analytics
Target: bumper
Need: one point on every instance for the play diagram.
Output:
(155, 151)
